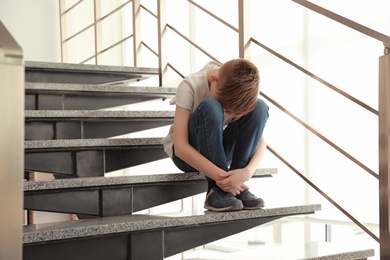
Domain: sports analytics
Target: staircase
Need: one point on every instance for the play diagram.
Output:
(72, 132)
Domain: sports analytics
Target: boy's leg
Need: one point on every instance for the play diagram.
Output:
(206, 131)
(205, 135)
(241, 137)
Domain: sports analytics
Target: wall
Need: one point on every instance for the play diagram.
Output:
(35, 26)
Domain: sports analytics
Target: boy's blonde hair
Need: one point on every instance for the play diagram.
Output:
(238, 87)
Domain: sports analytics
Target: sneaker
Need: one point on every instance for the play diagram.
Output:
(218, 200)
(250, 201)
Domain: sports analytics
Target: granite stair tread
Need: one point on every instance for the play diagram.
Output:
(130, 223)
(84, 73)
(87, 124)
(72, 96)
(104, 89)
(42, 65)
(31, 115)
(75, 183)
(67, 144)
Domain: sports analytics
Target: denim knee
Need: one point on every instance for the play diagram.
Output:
(211, 104)
(261, 110)
(211, 109)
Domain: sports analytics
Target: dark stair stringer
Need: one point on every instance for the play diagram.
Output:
(90, 157)
(85, 124)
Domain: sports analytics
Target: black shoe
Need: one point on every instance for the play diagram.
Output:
(218, 200)
(250, 201)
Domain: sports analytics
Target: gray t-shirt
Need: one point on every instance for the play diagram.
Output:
(190, 92)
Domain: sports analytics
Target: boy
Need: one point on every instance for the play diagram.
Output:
(218, 131)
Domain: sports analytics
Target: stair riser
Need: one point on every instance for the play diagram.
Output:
(91, 162)
(112, 202)
(84, 101)
(79, 77)
(51, 130)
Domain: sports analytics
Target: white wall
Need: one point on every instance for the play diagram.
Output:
(35, 26)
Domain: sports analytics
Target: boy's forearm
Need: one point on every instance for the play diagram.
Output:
(191, 156)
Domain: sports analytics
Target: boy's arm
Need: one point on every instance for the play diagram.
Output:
(235, 179)
(186, 152)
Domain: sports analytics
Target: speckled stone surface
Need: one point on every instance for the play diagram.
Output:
(96, 114)
(87, 67)
(90, 143)
(73, 183)
(130, 223)
(56, 87)
(311, 250)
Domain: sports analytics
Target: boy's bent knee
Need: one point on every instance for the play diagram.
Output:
(261, 108)
(212, 106)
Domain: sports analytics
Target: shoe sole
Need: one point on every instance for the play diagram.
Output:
(235, 207)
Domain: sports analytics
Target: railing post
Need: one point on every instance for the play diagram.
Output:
(384, 153)
(11, 145)
(162, 42)
(244, 29)
(137, 33)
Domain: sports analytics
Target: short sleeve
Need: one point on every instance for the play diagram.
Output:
(185, 96)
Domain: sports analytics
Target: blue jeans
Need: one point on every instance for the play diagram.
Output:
(230, 148)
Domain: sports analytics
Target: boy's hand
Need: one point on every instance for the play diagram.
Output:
(233, 181)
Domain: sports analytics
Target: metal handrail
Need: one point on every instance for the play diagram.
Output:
(347, 22)
(213, 15)
(72, 7)
(322, 137)
(97, 20)
(192, 43)
(326, 196)
(312, 75)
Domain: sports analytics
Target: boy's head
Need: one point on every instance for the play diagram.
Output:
(238, 87)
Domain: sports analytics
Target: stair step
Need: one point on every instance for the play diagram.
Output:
(80, 124)
(54, 96)
(112, 237)
(81, 144)
(112, 196)
(84, 73)
(52, 88)
(93, 182)
(90, 157)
